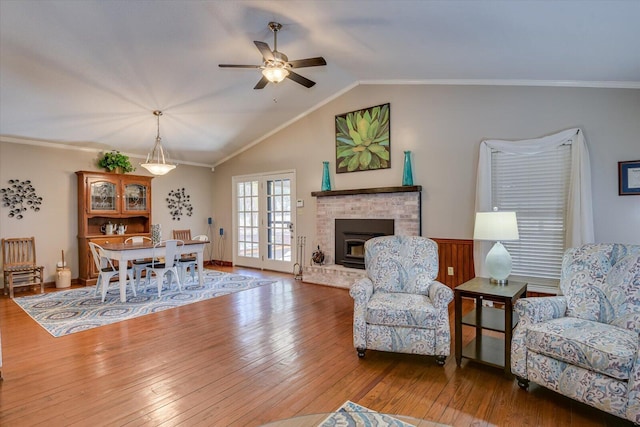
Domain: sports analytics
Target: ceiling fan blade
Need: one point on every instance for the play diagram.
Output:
(309, 62)
(238, 66)
(262, 83)
(299, 79)
(264, 50)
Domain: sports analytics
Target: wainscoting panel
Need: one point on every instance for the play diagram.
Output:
(458, 254)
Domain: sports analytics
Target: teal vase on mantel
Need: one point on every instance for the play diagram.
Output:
(326, 182)
(407, 173)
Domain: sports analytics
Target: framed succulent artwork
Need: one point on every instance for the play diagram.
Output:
(363, 140)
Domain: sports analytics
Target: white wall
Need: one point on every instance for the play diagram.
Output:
(55, 227)
(443, 126)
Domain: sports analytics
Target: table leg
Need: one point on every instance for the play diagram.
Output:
(123, 279)
(199, 260)
(508, 330)
(479, 301)
(458, 327)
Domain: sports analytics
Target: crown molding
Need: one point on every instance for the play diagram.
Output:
(70, 146)
(485, 82)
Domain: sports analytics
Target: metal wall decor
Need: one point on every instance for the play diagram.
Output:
(19, 196)
(178, 203)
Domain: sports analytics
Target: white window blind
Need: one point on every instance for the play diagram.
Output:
(536, 187)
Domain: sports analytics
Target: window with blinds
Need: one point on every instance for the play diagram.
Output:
(535, 186)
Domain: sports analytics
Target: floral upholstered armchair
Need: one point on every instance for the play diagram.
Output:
(399, 306)
(586, 343)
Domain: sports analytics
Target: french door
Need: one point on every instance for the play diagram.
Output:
(264, 221)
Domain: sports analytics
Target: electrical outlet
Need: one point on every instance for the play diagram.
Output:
(450, 271)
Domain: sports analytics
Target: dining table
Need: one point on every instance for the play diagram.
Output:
(125, 252)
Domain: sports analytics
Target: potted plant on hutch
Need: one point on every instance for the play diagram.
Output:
(115, 161)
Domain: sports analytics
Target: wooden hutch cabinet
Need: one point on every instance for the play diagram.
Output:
(103, 198)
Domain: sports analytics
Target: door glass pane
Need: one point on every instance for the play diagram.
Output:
(278, 208)
(247, 231)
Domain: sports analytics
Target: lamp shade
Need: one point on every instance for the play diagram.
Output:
(496, 226)
(275, 74)
(156, 162)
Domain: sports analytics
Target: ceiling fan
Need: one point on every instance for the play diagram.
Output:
(276, 66)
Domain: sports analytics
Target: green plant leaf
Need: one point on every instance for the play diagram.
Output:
(354, 162)
(384, 155)
(341, 124)
(375, 162)
(376, 148)
(345, 140)
(356, 137)
(344, 152)
(365, 159)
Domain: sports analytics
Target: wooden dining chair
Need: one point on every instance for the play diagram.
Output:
(182, 234)
(19, 264)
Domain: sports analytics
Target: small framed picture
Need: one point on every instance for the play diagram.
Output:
(629, 178)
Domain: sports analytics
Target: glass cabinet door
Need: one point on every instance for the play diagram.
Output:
(135, 198)
(103, 196)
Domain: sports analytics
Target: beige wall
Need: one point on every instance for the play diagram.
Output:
(52, 172)
(443, 126)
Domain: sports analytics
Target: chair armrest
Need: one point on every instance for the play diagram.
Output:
(440, 294)
(530, 311)
(536, 310)
(361, 290)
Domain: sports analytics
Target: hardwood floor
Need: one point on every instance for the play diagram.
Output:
(245, 359)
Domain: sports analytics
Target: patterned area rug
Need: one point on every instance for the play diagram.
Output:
(66, 312)
(353, 415)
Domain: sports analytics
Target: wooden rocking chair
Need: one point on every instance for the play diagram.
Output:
(19, 264)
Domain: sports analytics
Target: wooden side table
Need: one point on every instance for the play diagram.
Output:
(486, 349)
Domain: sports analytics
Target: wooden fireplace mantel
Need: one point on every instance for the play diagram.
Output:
(378, 190)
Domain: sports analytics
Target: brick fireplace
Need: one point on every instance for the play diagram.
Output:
(401, 204)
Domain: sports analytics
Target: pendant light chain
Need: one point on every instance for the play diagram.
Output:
(158, 113)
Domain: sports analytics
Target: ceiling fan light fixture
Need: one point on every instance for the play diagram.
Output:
(156, 162)
(275, 74)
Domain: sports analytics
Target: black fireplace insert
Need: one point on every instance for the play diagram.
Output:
(351, 234)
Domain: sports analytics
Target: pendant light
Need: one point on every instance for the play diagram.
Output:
(156, 163)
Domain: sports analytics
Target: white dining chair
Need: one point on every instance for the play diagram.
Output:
(106, 270)
(190, 262)
(173, 248)
(138, 265)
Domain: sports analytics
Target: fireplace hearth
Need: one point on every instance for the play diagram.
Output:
(351, 235)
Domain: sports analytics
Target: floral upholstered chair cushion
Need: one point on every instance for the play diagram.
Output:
(584, 279)
(406, 264)
(400, 306)
(586, 343)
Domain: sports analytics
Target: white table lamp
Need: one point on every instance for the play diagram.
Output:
(497, 226)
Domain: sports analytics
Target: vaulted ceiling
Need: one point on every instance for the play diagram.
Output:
(90, 73)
